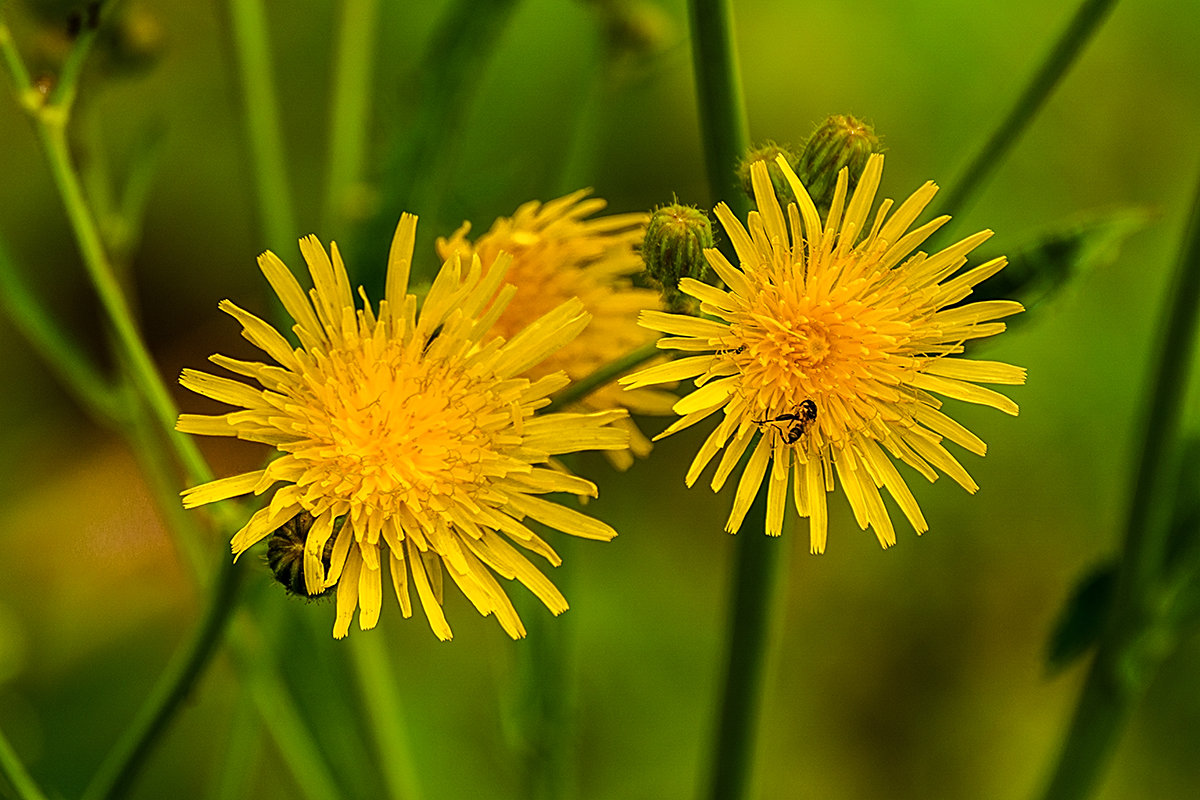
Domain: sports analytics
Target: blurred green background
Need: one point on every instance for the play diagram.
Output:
(912, 673)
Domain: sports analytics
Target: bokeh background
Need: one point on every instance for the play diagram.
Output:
(910, 673)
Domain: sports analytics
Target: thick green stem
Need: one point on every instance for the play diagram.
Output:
(252, 47)
(1059, 59)
(348, 113)
(133, 748)
(723, 125)
(757, 585)
(13, 770)
(1131, 646)
(385, 714)
(759, 558)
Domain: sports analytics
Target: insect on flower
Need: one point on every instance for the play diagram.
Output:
(285, 555)
(804, 416)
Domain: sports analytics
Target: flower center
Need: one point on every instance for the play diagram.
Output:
(395, 429)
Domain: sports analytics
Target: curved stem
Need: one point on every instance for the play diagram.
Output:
(1060, 58)
(132, 749)
(13, 769)
(1128, 652)
(275, 705)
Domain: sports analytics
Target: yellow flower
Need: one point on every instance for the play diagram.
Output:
(831, 341)
(557, 254)
(415, 430)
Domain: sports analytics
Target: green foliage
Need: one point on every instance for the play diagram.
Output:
(1082, 619)
(1049, 263)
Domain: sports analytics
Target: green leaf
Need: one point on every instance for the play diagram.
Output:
(1082, 619)
(1041, 268)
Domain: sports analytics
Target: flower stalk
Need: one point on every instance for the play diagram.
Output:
(13, 770)
(758, 584)
(759, 566)
(1134, 640)
(385, 715)
(1058, 60)
(252, 46)
(133, 747)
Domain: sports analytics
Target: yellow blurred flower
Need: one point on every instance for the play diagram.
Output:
(830, 341)
(557, 254)
(415, 429)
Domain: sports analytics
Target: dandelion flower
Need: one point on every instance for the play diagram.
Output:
(408, 436)
(558, 253)
(828, 346)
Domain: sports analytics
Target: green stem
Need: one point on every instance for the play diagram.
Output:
(348, 115)
(277, 708)
(544, 712)
(274, 704)
(757, 587)
(13, 770)
(66, 88)
(1068, 47)
(242, 747)
(142, 368)
(422, 152)
(248, 21)
(116, 774)
(1129, 649)
(385, 714)
(603, 376)
(65, 357)
(28, 97)
(759, 559)
(723, 125)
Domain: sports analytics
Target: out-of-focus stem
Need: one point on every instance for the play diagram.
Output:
(268, 159)
(348, 113)
(1132, 644)
(1058, 60)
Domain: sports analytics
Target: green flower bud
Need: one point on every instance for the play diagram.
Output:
(768, 151)
(840, 141)
(676, 237)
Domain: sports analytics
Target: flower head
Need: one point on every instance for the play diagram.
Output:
(408, 437)
(826, 350)
(559, 253)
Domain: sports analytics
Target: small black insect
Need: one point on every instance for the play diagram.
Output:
(285, 554)
(800, 420)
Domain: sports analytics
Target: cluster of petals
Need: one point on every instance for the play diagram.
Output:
(562, 250)
(409, 435)
(826, 351)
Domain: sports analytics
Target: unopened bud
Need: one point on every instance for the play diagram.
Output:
(676, 238)
(768, 151)
(840, 141)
